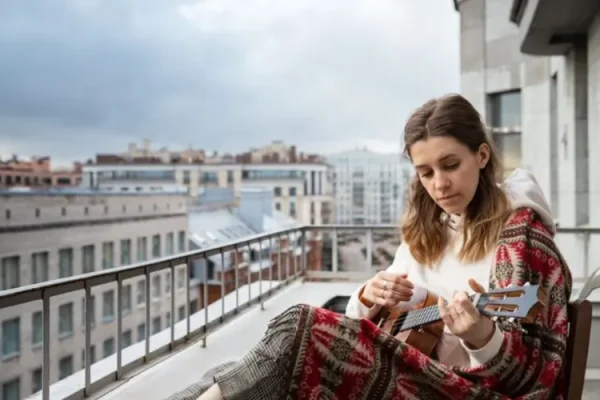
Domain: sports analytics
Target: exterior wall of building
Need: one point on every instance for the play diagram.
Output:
(311, 183)
(37, 173)
(126, 219)
(557, 110)
(369, 187)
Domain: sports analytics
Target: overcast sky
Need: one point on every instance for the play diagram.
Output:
(79, 77)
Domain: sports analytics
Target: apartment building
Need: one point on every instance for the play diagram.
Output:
(531, 68)
(368, 187)
(299, 182)
(38, 173)
(45, 235)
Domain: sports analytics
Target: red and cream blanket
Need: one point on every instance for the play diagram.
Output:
(335, 357)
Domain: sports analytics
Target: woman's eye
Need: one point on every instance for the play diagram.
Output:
(426, 174)
(452, 166)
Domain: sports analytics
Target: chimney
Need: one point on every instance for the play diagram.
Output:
(293, 157)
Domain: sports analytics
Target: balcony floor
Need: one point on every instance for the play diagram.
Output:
(228, 343)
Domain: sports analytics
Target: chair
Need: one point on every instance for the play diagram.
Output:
(580, 324)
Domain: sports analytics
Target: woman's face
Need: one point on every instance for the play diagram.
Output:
(449, 171)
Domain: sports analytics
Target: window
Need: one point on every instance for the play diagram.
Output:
(92, 311)
(509, 148)
(142, 249)
(292, 191)
(87, 258)
(156, 286)
(168, 283)
(7, 214)
(39, 265)
(108, 255)
(65, 367)
(108, 306)
(126, 299)
(126, 339)
(65, 320)
(141, 332)
(156, 325)
(505, 120)
(36, 380)
(11, 337)
(182, 246)
(65, 263)
(10, 273)
(277, 191)
(181, 313)
(181, 278)
(37, 327)
(156, 246)
(11, 390)
(109, 347)
(125, 251)
(141, 292)
(170, 243)
(168, 319)
(505, 110)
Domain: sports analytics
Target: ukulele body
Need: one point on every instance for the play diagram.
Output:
(424, 338)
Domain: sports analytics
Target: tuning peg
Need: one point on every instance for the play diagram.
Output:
(511, 320)
(495, 318)
(527, 284)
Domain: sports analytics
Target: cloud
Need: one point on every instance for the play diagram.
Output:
(80, 77)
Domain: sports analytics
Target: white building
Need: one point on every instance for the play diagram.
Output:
(369, 187)
(45, 235)
(299, 183)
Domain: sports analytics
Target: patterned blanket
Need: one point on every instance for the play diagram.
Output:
(312, 353)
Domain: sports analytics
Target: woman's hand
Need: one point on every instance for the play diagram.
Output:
(464, 320)
(386, 289)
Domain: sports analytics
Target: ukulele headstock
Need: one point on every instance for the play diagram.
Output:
(518, 302)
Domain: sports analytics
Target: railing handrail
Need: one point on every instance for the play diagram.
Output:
(37, 291)
(32, 292)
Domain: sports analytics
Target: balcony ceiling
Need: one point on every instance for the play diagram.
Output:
(551, 27)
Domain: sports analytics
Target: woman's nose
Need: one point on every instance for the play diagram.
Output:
(441, 181)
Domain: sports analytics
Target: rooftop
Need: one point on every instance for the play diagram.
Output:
(77, 191)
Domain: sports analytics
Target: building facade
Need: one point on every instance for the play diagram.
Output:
(368, 187)
(37, 173)
(49, 235)
(531, 68)
(299, 183)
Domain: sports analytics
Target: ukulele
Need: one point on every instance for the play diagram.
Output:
(421, 326)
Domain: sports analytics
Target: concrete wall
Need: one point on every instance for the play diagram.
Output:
(560, 100)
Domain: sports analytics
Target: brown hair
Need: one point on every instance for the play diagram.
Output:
(423, 225)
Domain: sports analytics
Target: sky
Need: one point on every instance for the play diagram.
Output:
(80, 77)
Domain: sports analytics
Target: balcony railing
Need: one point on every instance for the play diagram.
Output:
(190, 330)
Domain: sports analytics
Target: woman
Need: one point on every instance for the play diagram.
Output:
(462, 231)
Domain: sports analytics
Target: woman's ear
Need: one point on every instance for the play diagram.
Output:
(483, 155)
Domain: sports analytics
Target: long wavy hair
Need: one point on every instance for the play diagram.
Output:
(423, 227)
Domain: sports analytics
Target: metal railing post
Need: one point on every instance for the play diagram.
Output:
(334, 251)
(369, 249)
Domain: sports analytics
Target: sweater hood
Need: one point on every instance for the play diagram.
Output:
(523, 191)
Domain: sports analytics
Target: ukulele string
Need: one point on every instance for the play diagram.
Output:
(404, 317)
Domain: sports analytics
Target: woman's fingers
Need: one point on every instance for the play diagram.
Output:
(476, 286)
(444, 312)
